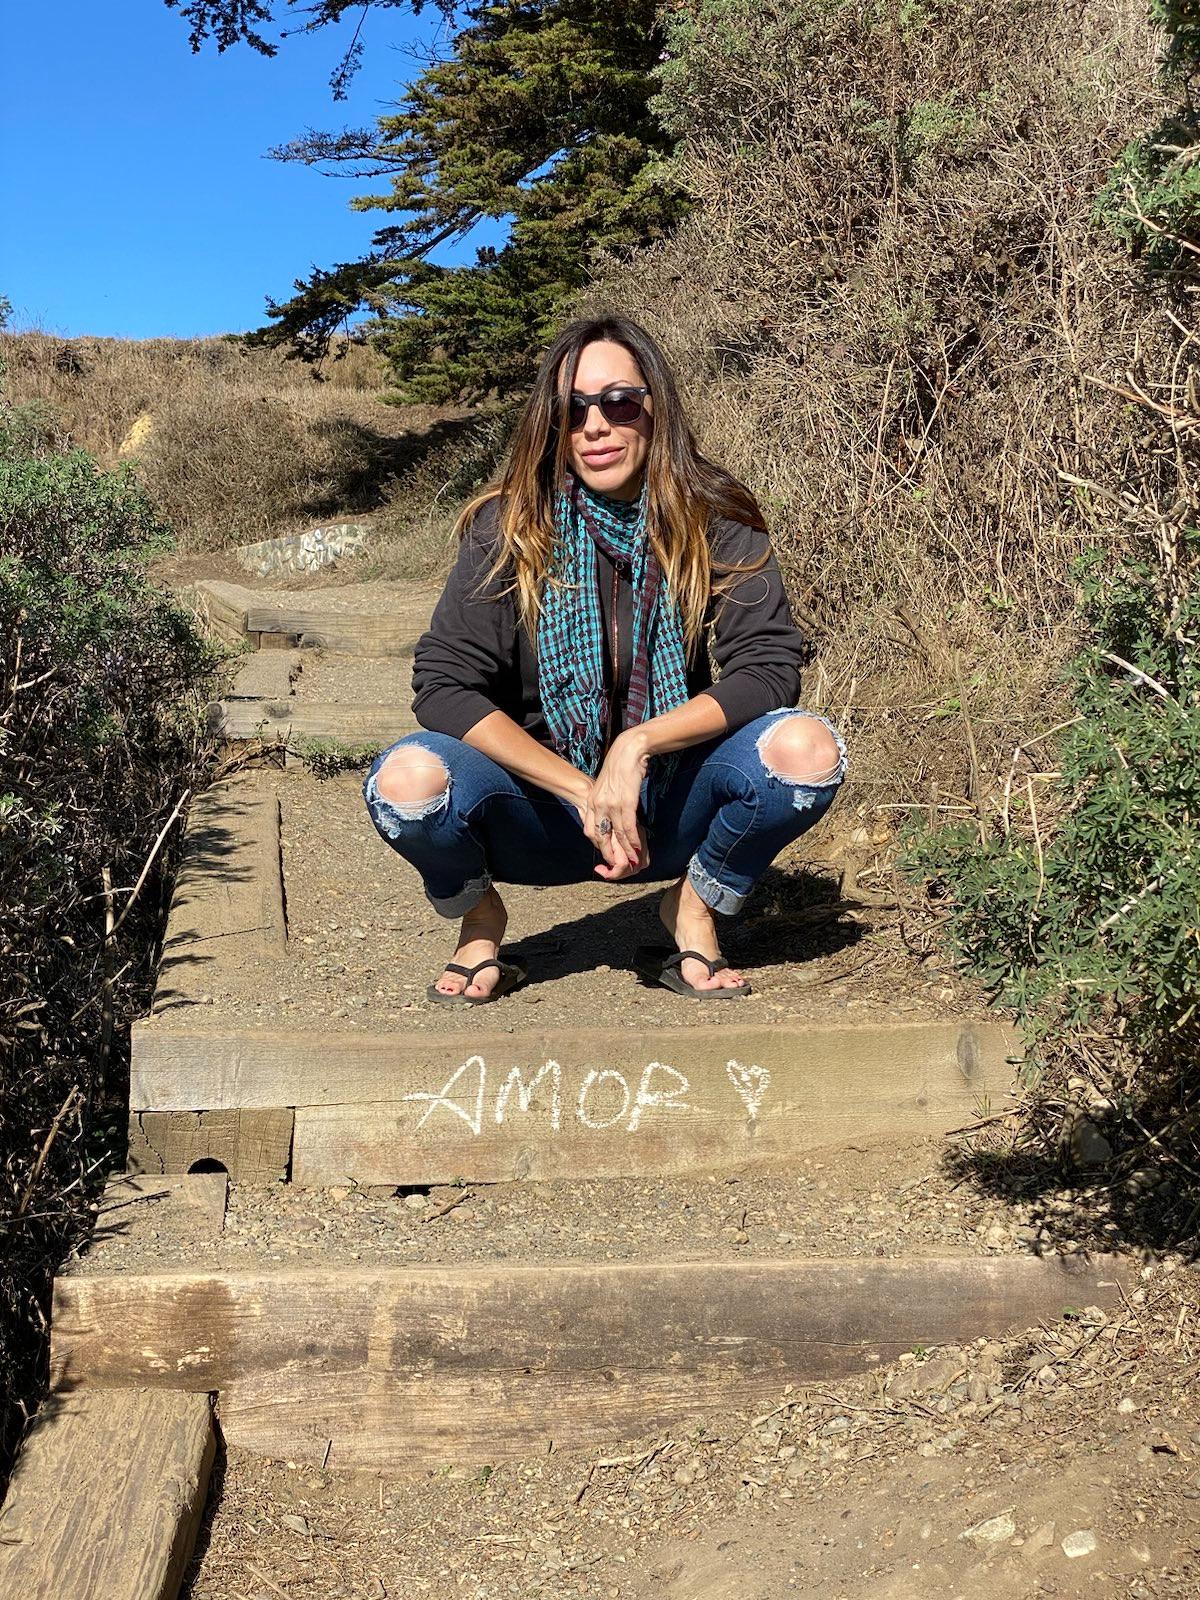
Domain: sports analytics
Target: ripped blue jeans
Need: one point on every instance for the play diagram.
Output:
(722, 819)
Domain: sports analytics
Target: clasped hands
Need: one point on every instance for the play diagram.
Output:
(614, 793)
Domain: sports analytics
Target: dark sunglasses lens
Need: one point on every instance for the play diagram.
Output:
(620, 406)
(576, 412)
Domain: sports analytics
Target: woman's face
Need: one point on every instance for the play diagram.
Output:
(609, 457)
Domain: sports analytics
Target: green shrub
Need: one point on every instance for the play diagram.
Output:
(1152, 200)
(1078, 902)
(326, 757)
(102, 684)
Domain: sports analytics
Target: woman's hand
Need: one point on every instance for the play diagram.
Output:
(615, 794)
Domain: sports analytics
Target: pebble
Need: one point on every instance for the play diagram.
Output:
(416, 1202)
(1080, 1543)
(1040, 1539)
(996, 1530)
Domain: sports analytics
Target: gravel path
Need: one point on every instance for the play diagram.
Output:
(364, 943)
(886, 1201)
(1062, 1462)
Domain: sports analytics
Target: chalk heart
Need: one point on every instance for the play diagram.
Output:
(751, 1084)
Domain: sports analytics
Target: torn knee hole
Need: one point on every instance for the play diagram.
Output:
(413, 781)
(800, 750)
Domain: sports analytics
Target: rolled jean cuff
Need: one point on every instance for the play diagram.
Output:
(468, 897)
(716, 896)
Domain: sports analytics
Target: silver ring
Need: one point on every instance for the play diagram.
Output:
(605, 826)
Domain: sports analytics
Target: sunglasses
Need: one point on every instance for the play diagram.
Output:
(619, 405)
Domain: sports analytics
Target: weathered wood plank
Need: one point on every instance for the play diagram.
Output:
(228, 899)
(309, 624)
(107, 1496)
(221, 606)
(423, 1364)
(253, 1146)
(239, 613)
(265, 676)
(493, 1105)
(278, 720)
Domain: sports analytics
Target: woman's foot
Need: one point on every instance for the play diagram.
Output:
(479, 939)
(692, 926)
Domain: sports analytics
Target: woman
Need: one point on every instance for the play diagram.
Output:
(574, 726)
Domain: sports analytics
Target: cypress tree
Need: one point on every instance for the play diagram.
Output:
(540, 114)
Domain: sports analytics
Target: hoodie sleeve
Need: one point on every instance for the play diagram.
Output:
(755, 645)
(469, 648)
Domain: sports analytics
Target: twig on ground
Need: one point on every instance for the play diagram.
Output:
(449, 1205)
(262, 1578)
(148, 863)
(44, 1152)
(641, 1459)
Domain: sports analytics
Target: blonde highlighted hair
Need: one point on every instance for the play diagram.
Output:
(685, 490)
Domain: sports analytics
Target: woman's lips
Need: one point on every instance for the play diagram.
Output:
(599, 458)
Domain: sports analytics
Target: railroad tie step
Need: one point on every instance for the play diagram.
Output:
(366, 1365)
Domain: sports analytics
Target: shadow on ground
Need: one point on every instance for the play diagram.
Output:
(791, 917)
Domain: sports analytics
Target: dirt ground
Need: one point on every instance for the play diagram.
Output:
(885, 1200)
(364, 943)
(339, 680)
(1061, 1462)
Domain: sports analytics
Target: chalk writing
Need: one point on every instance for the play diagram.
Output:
(605, 1099)
(525, 1092)
(648, 1099)
(473, 1118)
(594, 1080)
(751, 1084)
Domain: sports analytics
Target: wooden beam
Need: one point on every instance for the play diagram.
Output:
(395, 1366)
(494, 1105)
(228, 899)
(107, 1495)
(313, 618)
(279, 720)
(221, 606)
(391, 632)
(251, 1146)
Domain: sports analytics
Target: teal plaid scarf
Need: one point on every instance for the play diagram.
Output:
(570, 633)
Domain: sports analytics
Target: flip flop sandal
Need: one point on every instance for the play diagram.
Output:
(655, 965)
(510, 976)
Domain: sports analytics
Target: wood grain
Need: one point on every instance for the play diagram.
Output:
(683, 1110)
(221, 606)
(426, 1364)
(276, 720)
(107, 1496)
(252, 1146)
(228, 899)
(235, 613)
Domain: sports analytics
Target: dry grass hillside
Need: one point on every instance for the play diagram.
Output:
(894, 316)
(237, 444)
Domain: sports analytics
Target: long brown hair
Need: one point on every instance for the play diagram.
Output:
(685, 490)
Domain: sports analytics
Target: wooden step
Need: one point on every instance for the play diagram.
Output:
(414, 1367)
(495, 1104)
(228, 899)
(276, 721)
(391, 619)
(107, 1494)
(659, 1085)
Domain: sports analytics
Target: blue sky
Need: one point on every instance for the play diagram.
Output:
(136, 197)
